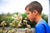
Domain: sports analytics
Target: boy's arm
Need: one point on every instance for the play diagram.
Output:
(40, 29)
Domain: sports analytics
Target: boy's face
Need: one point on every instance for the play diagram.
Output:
(30, 15)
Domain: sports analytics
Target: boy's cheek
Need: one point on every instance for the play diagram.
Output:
(30, 17)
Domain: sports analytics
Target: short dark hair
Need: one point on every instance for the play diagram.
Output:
(34, 6)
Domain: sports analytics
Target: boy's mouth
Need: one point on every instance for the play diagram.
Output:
(31, 20)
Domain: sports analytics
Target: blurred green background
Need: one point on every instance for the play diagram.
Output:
(8, 18)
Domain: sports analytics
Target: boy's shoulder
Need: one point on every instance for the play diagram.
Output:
(41, 23)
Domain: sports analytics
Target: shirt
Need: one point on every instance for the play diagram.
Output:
(42, 27)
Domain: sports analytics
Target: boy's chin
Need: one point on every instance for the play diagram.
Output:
(31, 20)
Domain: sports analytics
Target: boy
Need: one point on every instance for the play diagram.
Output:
(34, 10)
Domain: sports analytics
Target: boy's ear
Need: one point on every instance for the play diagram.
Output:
(35, 12)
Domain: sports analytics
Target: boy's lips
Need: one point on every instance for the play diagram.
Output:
(30, 19)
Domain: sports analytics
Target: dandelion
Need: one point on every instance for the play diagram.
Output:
(16, 18)
(19, 15)
(10, 23)
(3, 24)
(13, 30)
(26, 29)
(13, 18)
(15, 15)
(19, 25)
(16, 21)
(9, 31)
(20, 22)
(25, 21)
(25, 17)
(13, 21)
(28, 26)
(13, 25)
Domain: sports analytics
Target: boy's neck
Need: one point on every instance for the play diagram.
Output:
(38, 18)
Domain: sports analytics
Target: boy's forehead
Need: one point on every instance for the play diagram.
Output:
(27, 10)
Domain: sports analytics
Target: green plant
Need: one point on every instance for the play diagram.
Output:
(16, 21)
